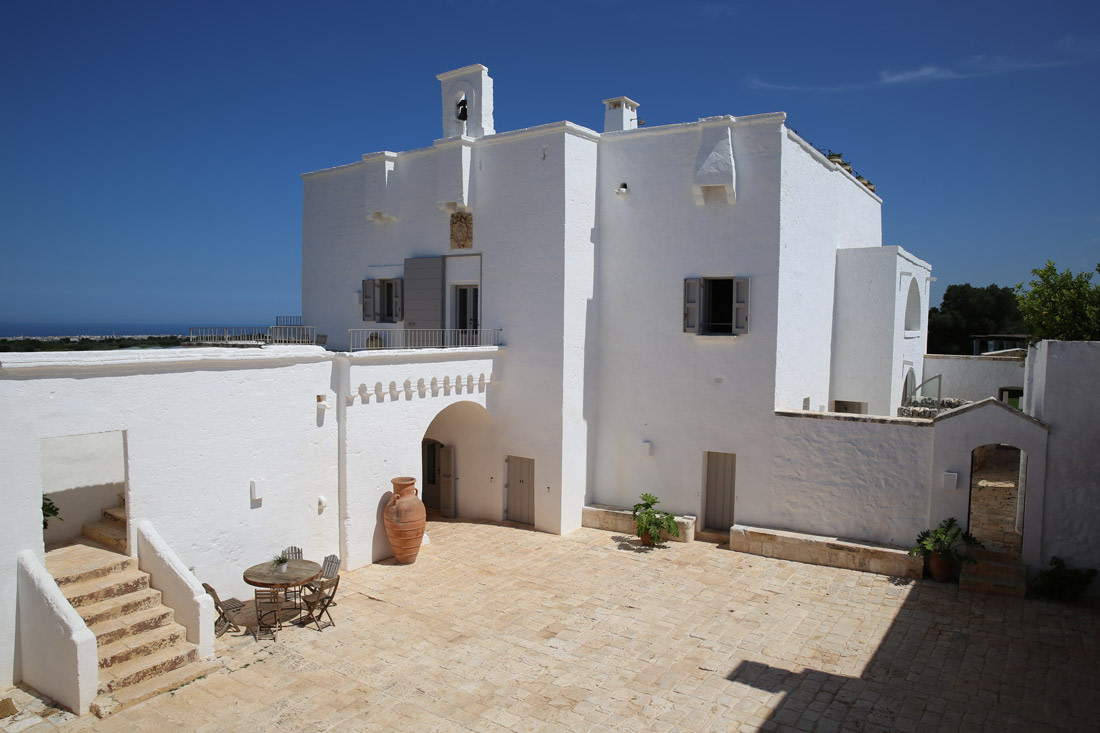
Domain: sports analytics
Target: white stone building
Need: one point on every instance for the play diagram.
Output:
(661, 292)
(532, 322)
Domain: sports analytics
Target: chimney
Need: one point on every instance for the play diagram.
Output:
(620, 113)
(467, 102)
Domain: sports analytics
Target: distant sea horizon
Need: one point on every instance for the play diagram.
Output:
(32, 330)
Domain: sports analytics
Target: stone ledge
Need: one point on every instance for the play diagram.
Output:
(830, 551)
(617, 519)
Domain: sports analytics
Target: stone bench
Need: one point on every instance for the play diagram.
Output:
(829, 551)
(617, 519)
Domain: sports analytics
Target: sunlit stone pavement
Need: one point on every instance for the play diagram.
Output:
(500, 628)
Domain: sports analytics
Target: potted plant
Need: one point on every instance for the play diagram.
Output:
(49, 510)
(945, 547)
(649, 522)
(280, 561)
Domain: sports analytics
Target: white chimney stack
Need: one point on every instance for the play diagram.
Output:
(621, 113)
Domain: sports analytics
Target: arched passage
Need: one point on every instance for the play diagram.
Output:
(996, 500)
(461, 473)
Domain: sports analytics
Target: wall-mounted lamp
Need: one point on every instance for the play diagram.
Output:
(322, 403)
(622, 189)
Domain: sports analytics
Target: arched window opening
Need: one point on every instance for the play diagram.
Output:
(913, 308)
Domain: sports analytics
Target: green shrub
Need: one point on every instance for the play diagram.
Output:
(650, 521)
(1061, 583)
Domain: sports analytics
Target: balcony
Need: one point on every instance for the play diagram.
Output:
(395, 337)
(288, 330)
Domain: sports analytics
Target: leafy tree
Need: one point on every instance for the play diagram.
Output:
(968, 311)
(1061, 305)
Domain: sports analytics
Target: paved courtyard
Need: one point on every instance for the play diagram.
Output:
(501, 628)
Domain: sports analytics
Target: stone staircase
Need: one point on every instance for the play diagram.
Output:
(996, 572)
(142, 650)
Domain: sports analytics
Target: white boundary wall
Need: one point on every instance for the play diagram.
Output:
(851, 476)
(199, 426)
(974, 377)
(1063, 392)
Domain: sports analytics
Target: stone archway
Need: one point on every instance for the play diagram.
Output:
(459, 447)
(996, 500)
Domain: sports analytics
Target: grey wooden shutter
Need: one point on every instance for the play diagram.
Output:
(368, 300)
(398, 300)
(693, 292)
(740, 305)
(423, 292)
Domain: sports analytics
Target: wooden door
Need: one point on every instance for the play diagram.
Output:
(447, 504)
(520, 485)
(721, 473)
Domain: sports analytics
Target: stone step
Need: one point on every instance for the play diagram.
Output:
(996, 569)
(122, 698)
(981, 554)
(141, 644)
(107, 534)
(140, 669)
(93, 590)
(125, 625)
(78, 562)
(1014, 587)
(116, 516)
(119, 606)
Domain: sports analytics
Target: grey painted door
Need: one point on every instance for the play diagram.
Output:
(446, 455)
(521, 490)
(423, 301)
(721, 472)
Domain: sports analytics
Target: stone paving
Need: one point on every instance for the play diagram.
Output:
(500, 628)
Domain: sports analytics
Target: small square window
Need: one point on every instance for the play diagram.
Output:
(717, 306)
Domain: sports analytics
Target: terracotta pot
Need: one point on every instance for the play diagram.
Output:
(941, 566)
(404, 518)
(646, 539)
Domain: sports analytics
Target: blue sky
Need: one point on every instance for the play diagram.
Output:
(151, 150)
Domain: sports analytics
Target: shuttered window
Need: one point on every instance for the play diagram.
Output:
(382, 300)
(716, 305)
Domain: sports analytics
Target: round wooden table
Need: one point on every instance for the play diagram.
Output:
(298, 572)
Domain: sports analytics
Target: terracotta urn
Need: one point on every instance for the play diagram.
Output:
(941, 566)
(404, 518)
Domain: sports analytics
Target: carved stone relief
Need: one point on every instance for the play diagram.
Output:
(462, 231)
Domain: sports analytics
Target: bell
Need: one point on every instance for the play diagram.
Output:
(461, 113)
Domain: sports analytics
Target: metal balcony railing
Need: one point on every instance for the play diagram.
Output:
(395, 337)
(251, 335)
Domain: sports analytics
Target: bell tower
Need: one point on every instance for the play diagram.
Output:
(467, 102)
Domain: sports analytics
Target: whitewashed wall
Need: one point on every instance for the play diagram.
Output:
(531, 194)
(872, 350)
(909, 345)
(974, 377)
(1064, 375)
(199, 425)
(822, 209)
(386, 423)
(684, 393)
(851, 476)
(863, 329)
